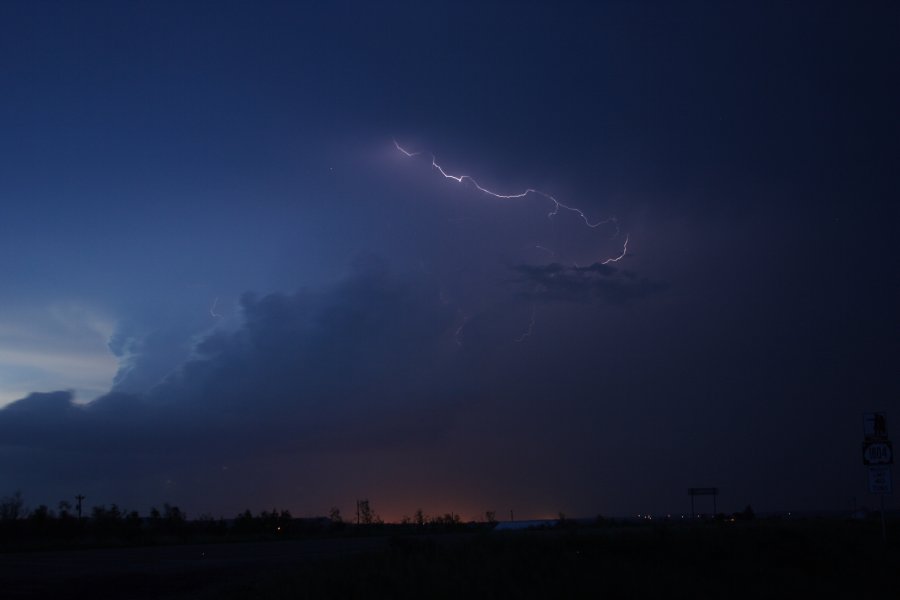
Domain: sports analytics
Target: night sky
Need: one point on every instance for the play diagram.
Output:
(224, 286)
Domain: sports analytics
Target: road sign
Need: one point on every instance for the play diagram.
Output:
(878, 453)
(710, 491)
(875, 426)
(880, 480)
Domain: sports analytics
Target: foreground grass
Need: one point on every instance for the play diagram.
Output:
(818, 559)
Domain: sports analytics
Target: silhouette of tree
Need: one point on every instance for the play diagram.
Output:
(66, 524)
(274, 522)
(243, 523)
(446, 520)
(173, 514)
(41, 519)
(133, 520)
(337, 521)
(174, 519)
(335, 515)
(155, 519)
(12, 507)
(366, 515)
(106, 521)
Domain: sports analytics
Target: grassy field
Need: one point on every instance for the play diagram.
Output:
(760, 559)
(812, 559)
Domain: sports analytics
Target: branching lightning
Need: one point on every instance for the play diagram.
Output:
(556, 208)
(557, 205)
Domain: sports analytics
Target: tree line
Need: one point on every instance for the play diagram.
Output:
(71, 523)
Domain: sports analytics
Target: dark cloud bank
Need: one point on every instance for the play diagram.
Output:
(371, 364)
(597, 282)
(379, 386)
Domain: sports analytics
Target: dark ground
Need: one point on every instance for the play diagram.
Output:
(816, 558)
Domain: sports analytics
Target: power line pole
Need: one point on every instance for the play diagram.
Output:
(79, 497)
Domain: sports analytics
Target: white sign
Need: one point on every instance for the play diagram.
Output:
(878, 453)
(875, 426)
(880, 480)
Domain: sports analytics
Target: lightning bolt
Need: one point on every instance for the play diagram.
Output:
(404, 151)
(557, 205)
(528, 331)
(458, 332)
(619, 257)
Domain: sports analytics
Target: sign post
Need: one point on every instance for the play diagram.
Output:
(878, 456)
(714, 492)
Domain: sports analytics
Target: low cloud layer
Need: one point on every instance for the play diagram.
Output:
(350, 367)
(378, 363)
(597, 282)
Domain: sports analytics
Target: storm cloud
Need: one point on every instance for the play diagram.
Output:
(593, 283)
(147, 187)
(351, 366)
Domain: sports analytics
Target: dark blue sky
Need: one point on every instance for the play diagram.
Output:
(209, 238)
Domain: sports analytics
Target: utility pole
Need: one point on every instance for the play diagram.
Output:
(79, 498)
